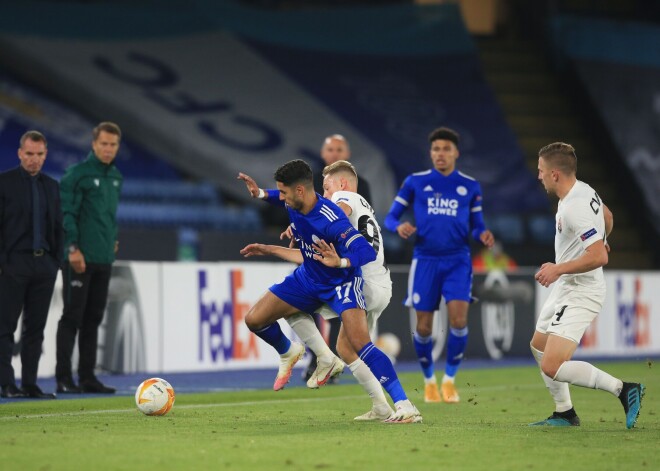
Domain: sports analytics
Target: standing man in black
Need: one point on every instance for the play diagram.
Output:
(90, 195)
(31, 249)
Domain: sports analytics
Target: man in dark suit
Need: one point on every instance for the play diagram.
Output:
(31, 249)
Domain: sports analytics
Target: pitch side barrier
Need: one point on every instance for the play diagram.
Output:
(185, 317)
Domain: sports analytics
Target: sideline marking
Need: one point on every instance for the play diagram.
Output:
(244, 403)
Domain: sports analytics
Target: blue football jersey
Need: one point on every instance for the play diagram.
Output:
(326, 221)
(446, 209)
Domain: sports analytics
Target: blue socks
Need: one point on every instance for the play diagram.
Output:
(382, 368)
(424, 349)
(455, 347)
(274, 336)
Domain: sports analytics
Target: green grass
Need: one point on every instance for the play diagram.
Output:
(300, 429)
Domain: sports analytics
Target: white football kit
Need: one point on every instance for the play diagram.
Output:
(377, 282)
(576, 299)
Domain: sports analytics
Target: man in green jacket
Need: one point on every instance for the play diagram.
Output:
(90, 195)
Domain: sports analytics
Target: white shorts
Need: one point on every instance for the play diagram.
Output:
(569, 313)
(376, 296)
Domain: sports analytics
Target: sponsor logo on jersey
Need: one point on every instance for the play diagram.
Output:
(588, 234)
(559, 226)
(428, 188)
(307, 249)
(444, 206)
(344, 234)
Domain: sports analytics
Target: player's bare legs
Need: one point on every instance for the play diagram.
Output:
(262, 320)
(556, 363)
(558, 390)
(380, 409)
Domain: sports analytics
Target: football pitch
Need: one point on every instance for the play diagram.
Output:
(301, 429)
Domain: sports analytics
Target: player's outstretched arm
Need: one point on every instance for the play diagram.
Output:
(286, 254)
(328, 256)
(270, 196)
(250, 184)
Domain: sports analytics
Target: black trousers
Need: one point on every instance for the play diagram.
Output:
(26, 284)
(85, 296)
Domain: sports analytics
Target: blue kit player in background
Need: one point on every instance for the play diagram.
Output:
(333, 252)
(447, 208)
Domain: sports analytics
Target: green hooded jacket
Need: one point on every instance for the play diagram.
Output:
(90, 194)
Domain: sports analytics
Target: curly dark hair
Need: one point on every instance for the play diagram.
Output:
(295, 172)
(445, 134)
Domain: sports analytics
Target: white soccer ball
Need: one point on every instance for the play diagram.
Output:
(389, 344)
(154, 396)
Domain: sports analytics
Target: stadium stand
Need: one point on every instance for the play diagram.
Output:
(416, 69)
(550, 90)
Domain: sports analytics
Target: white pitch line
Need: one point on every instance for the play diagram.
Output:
(185, 406)
(466, 390)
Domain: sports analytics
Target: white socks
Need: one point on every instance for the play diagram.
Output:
(369, 383)
(581, 373)
(558, 390)
(305, 328)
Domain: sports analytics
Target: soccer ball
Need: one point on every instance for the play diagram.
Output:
(154, 396)
(389, 344)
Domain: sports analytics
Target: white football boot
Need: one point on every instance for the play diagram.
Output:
(326, 368)
(287, 361)
(405, 413)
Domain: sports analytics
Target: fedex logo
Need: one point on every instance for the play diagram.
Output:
(446, 206)
(633, 315)
(222, 332)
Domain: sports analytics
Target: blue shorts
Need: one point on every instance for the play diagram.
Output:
(431, 278)
(307, 295)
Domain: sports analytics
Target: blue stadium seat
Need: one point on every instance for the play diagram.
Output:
(509, 228)
(542, 228)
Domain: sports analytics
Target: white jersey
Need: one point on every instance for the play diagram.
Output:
(579, 223)
(364, 220)
(377, 282)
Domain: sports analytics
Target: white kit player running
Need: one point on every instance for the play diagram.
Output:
(340, 185)
(582, 225)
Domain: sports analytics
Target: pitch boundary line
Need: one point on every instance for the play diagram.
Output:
(466, 390)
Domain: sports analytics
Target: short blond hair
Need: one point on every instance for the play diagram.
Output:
(561, 156)
(341, 166)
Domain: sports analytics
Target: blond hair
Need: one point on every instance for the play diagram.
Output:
(560, 156)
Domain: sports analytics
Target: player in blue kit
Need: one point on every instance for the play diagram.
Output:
(333, 252)
(447, 208)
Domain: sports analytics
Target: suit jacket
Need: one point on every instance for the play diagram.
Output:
(16, 213)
